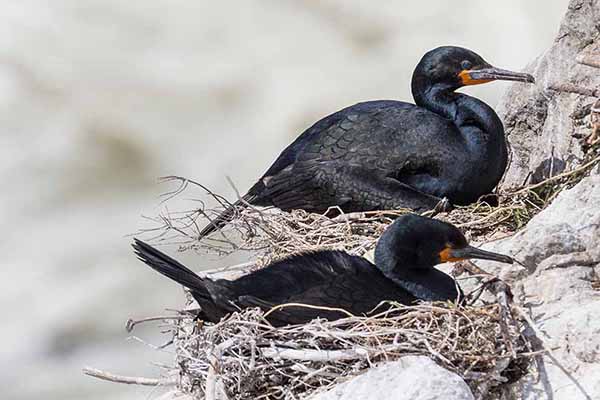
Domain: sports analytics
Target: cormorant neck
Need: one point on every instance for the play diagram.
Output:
(430, 285)
(479, 126)
(400, 260)
(475, 113)
(462, 109)
(437, 97)
(394, 251)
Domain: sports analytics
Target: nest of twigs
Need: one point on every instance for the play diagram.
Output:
(243, 357)
(272, 233)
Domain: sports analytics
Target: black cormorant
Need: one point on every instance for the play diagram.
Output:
(390, 154)
(403, 272)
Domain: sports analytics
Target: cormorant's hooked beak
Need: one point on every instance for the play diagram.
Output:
(483, 75)
(450, 254)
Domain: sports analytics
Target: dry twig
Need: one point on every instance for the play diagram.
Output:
(575, 89)
(292, 362)
(273, 234)
(243, 357)
(591, 59)
(129, 380)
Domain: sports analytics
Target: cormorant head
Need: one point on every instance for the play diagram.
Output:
(415, 242)
(454, 67)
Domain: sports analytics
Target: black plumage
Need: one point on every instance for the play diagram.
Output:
(403, 272)
(391, 154)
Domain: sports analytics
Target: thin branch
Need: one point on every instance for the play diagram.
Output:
(214, 389)
(576, 89)
(559, 176)
(301, 305)
(590, 60)
(131, 323)
(184, 182)
(128, 380)
(547, 351)
(317, 355)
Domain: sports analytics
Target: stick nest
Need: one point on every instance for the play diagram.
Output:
(243, 357)
(272, 234)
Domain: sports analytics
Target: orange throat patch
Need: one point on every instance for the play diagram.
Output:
(465, 77)
(446, 257)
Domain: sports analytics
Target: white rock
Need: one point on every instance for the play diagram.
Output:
(560, 248)
(542, 124)
(98, 98)
(409, 378)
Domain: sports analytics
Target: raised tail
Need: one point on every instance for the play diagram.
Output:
(227, 215)
(167, 266)
(211, 296)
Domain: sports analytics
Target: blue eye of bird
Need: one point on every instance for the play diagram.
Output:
(466, 64)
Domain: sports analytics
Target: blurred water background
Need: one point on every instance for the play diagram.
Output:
(99, 98)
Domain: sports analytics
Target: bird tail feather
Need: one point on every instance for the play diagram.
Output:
(169, 267)
(227, 215)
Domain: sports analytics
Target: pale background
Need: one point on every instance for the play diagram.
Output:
(98, 98)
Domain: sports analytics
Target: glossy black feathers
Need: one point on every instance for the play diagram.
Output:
(390, 154)
(331, 279)
(404, 273)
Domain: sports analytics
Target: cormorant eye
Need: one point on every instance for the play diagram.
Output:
(466, 65)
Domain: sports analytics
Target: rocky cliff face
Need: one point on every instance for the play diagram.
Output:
(410, 378)
(559, 283)
(560, 248)
(558, 286)
(98, 98)
(545, 126)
